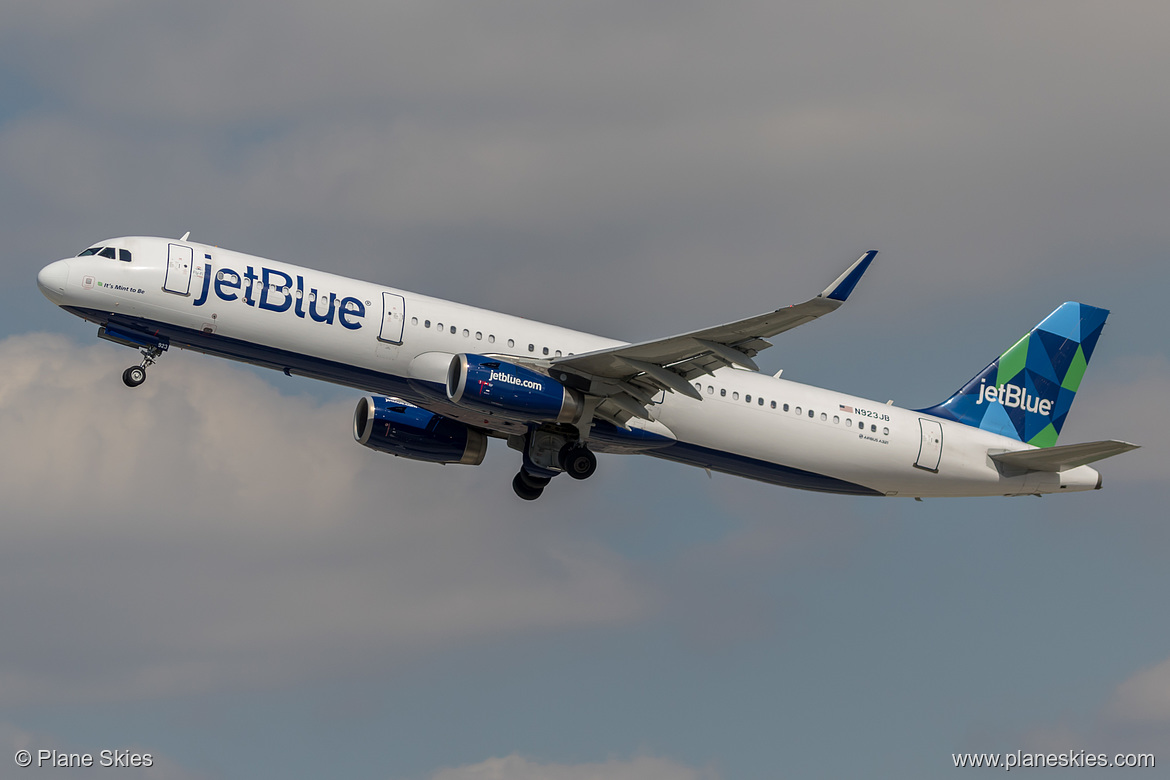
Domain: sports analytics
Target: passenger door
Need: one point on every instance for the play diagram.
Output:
(393, 316)
(180, 259)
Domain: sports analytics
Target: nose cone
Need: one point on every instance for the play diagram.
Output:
(52, 280)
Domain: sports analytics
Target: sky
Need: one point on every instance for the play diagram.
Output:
(208, 569)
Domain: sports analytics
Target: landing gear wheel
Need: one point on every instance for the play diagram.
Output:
(578, 461)
(525, 491)
(134, 376)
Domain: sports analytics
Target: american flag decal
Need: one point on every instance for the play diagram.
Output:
(846, 409)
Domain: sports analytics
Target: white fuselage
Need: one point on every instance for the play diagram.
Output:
(393, 342)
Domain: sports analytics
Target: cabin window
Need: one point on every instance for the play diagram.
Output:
(511, 342)
(872, 428)
(478, 336)
(747, 398)
(710, 390)
(810, 413)
(885, 431)
(735, 395)
(413, 320)
(558, 353)
(453, 330)
(531, 347)
(723, 392)
(426, 324)
(798, 411)
(848, 422)
(773, 404)
(438, 326)
(545, 350)
(824, 417)
(836, 419)
(491, 338)
(786, 407)
(760, 401)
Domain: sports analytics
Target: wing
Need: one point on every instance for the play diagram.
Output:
(626, 378)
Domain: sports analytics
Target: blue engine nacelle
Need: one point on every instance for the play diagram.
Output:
(517, 392)
(402, 429)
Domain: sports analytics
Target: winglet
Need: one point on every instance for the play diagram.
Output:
(840, 289)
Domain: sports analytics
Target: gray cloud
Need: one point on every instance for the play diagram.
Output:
(207, 531)
(515, 767)
(1144, 697)
(509, 151)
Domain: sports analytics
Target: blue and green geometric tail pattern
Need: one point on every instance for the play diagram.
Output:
(1027, 391)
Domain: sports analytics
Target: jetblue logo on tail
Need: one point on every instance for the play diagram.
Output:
(1013, 397)
(1026, 392)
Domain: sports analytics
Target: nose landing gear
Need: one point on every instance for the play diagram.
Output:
(151, 346)
(136, 375)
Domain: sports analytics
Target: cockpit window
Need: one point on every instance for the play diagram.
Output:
(107, 251)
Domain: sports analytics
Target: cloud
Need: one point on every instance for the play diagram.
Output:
(515, 767)
(1134, 719)
(1116, 404)
(1144, 697)
(206, 530)
(631, 156)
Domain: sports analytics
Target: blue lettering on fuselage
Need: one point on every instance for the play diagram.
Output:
(279, 293)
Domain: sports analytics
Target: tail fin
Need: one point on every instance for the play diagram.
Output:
(1027, 391)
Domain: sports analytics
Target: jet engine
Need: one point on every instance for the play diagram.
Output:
(402, 429)
(517, 392)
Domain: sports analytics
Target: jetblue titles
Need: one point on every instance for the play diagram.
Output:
(278, 292)
(1013, 397)
(499, 376)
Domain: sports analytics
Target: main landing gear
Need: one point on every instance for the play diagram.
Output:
(577, 460)
(547, 454)
(529, 486)
(136, 375)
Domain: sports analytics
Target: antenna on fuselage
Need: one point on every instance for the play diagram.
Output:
(186, 236)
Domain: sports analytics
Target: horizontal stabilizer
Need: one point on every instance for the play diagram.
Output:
(1065, 457)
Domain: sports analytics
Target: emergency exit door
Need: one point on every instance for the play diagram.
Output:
(930, 450)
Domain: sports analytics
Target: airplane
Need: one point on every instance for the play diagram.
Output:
(443, 378)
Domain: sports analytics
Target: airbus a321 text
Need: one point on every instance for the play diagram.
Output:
(444, 378)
